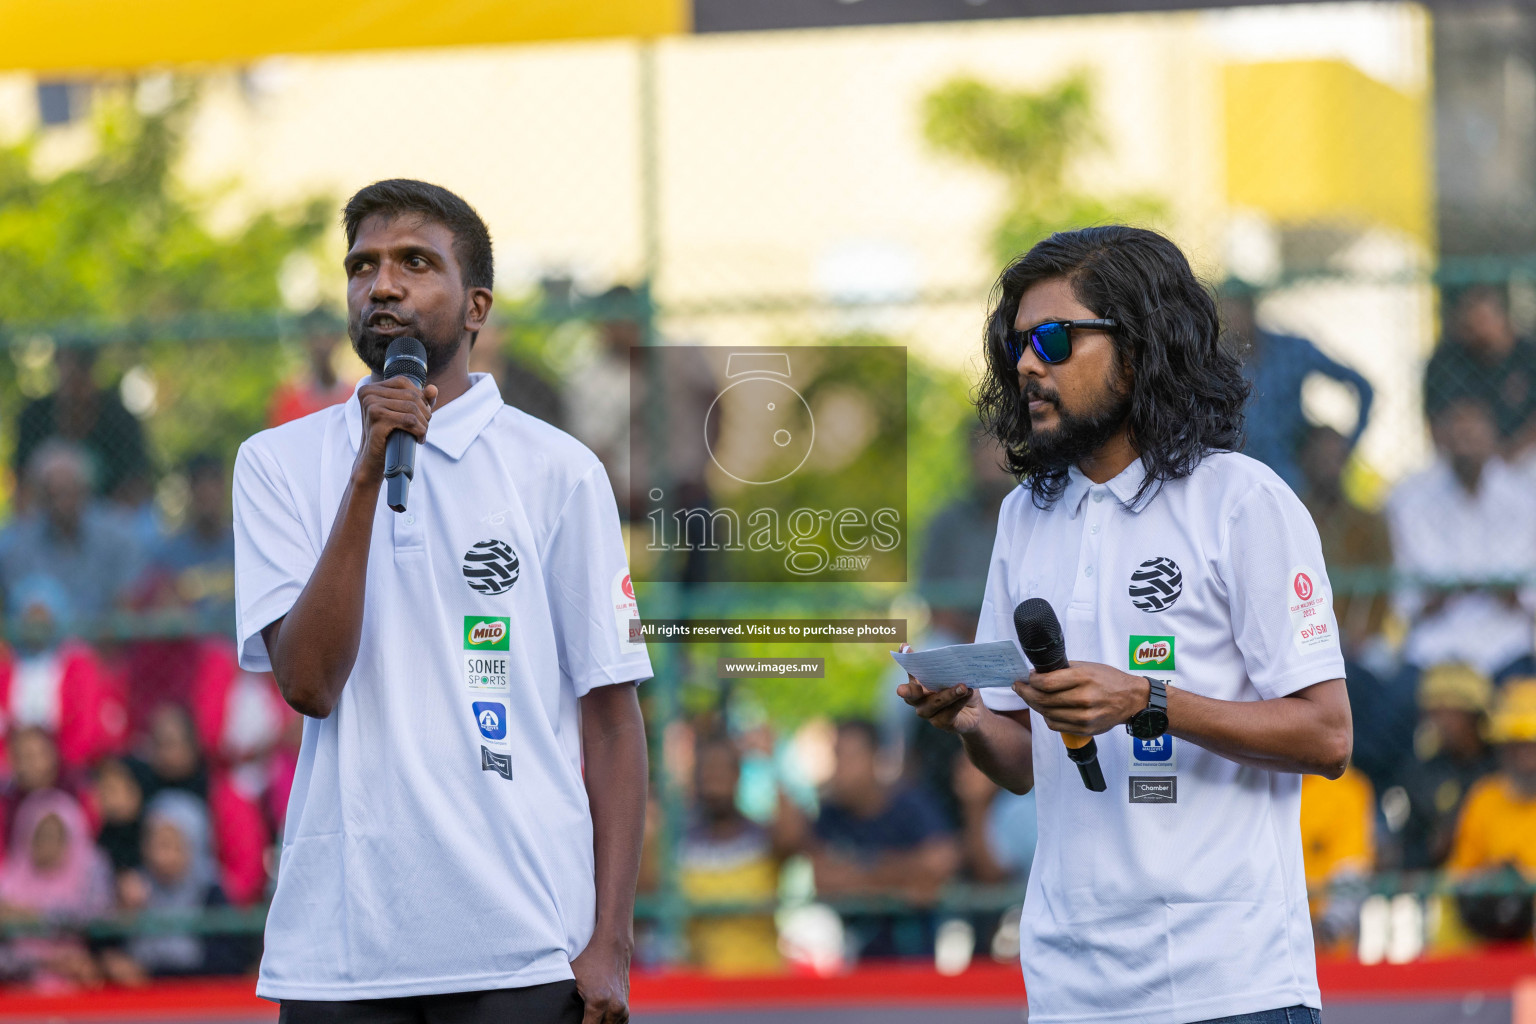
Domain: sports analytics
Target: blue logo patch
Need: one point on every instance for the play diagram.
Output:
(491, 716)
(1155, 751)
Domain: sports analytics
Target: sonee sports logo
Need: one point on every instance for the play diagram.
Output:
(1156, 584)
(1303, 585)
(490, 567)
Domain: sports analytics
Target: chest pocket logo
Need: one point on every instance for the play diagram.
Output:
(490, 567)
(1156, 584)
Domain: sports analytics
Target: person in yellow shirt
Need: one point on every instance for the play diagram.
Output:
(1338, 848)
(726, 858)
(1497, 831)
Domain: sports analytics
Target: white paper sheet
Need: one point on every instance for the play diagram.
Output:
(993, 664)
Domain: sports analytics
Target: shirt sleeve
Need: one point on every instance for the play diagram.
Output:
(591, 597)
(1271, 563)
(996, 619)
(274, 555)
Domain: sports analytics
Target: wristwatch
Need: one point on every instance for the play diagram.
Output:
(1151, 721)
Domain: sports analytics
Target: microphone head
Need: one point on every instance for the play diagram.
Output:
(406, 357)
(1040, 634)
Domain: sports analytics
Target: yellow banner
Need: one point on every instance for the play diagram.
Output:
(1319, 141)
(82, 36)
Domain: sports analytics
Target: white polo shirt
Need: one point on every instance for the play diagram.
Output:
(438, 837)
(1442, 532)
(1177, 894)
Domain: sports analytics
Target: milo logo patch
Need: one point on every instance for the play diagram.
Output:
(487, 633)
(1151, 653)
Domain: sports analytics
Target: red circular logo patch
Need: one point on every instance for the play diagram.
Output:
(629, 588)
(1303, 585)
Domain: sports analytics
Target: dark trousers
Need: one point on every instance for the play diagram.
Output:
(1288, 1015)
(555, 1003)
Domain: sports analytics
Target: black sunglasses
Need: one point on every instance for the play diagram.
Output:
(1052, 340)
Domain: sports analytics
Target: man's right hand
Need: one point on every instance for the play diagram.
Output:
(388, 406)
(957, 709)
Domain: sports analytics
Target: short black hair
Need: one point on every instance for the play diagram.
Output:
(1187, 388)
(395, 196)
(204, 464)
(861, 727)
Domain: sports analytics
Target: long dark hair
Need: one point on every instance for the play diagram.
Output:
(1187, 388)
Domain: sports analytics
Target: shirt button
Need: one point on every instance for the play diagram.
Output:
(410, 519)
(1094, 528)
(1088, 571)
(1098, 496)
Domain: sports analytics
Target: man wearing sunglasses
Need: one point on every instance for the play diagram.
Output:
(1190, 585)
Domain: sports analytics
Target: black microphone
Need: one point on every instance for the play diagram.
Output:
(406, 357)
(1040, 636)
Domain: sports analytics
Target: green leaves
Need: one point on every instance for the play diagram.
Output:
(115, 248)
(1032, 139)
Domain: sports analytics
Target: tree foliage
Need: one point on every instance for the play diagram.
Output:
(1031, 139)
(115, 249)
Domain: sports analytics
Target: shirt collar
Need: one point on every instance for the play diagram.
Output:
(1123, 486)
(454, 427)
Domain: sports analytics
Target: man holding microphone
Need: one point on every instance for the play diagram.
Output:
(463, 837)
(1191, 590)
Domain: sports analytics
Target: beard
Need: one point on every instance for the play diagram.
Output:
(1077, 435)
(371, 346)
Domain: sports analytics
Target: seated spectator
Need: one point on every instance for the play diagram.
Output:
(1458, 529)
(998, 830)
(179, 876)
(318, 387)
(873, 840)
(194, 568)
(175, 762)
(1357, 548)
(86, 418)
(173, 759)
(70, 540)
(55, 875)
(1485, 361)
(192, 571)
(1338, 849)
(956, 552)
(1495, 842)
(726, 857)
(1355, 541)
(34, 768)
(120, 806)
(1278, 365)
(56, 684)
(997, 839)
(1451, 756)
(242, 722)
(1498, 821)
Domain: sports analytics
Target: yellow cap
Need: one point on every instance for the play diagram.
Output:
(1453, 686)
(1514, 717)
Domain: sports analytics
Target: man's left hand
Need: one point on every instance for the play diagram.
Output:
(1085, 698)
(602, 981)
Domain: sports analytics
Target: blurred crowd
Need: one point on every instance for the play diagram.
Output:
(144, 778)
(149, 776)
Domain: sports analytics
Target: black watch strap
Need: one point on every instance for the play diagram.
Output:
(1158, 698)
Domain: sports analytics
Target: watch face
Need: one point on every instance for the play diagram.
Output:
(1149, 724)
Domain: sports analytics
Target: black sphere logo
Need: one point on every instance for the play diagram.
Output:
(1156, 584)
(490, 567)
